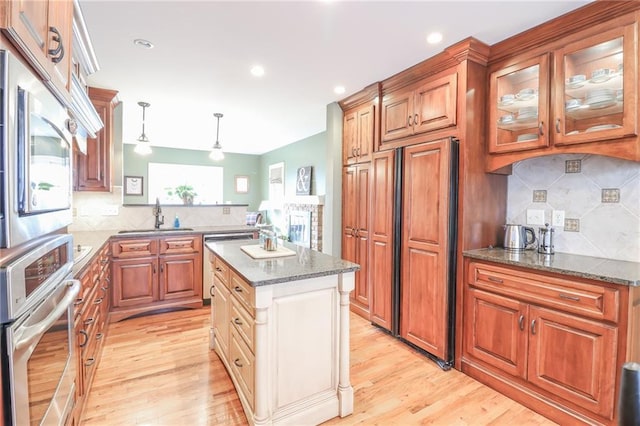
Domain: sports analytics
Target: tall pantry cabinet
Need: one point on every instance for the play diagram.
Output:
(447, 95)
(359, 138)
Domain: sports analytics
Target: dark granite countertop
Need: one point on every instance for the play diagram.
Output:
(305, 264)
(95, 239)
(595, 268)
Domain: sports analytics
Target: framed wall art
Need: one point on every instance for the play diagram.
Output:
(133, 185)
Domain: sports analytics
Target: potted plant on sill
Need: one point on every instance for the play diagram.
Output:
(185, 192)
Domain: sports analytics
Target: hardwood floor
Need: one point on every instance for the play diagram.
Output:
(158, 370)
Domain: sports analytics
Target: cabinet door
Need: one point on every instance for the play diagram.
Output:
(366, 131)
(381, 261)
(134, 282)
(349, 138)
(397, 115)
(519, 106)
(361, 291)
(495, 331)
(29, 27)
(179, 277)
(435, 104)
(221, 316)
(596, 88)
(574, 359)
(425, 247)
(60, 19)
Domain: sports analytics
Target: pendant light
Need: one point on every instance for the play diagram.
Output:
(216, 152)
(143, 147)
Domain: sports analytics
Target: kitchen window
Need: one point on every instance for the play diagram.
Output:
(206, 181)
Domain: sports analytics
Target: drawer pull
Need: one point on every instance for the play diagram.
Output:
(99, 336)
(495, 280)
(521, 322)
(237, 362)
(86, 338)
(533, 327)
(89, 321)
(238, 289)
(90, 362)
(218, 269)
(211, 291)
(569, 297)
(104, 261)
(79, 301)
(98, 301)
(237, 321)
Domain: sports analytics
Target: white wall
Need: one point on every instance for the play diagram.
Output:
(605, 227)
(94, 211)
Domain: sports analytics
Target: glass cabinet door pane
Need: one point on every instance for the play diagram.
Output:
(593, 89)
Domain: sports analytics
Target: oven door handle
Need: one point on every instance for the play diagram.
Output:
(32, 332)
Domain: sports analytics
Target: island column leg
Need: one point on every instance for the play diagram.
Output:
(346, 283)
(261, 412)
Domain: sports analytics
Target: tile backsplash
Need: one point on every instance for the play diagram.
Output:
(599, 195)
(104, 211)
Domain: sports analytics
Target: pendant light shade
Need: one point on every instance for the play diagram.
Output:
(143, 147)
(216, 152)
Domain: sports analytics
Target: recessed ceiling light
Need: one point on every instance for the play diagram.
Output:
(434, 38)
(257, 70)
(339, 90)
(145, 44)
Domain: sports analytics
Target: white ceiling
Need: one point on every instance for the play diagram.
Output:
(204, 51)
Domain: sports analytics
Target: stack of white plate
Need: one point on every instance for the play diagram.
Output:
(527, 113)
(601, 98)
(527, 137)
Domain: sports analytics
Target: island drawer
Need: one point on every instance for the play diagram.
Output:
(220, 269)
(576, 296)
(242, 322)
(243, 291)
(242, 361)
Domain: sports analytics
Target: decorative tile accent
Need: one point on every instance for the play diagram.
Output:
(610, 195)
(572, 225)
(572, 166)
(539, 195)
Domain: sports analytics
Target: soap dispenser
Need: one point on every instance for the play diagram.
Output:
(176, 222)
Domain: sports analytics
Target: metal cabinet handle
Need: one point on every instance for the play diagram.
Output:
(90, 362)
(357, 233)
(108, 280)
(104, 261)
(211, 292)
(86, 338)
(154, 268)
(521, 322)
(415, 120)
(533, 327)
(541, 128)
(58, 52)
(98, 301)
(557, 125)
(162, 268)
(237, 321)
(89, 321)
(237, 362)
(569, 297)
(238, 289)
(99, 336)
(409, 121)
(495, 280)
(78, 301)
(353, 151)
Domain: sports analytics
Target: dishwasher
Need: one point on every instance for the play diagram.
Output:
(207, 273)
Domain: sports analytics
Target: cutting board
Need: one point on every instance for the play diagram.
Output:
(258, 252)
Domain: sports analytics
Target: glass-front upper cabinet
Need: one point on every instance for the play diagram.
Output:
(518, 106)
(596, 88)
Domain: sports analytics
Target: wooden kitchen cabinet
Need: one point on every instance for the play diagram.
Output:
(91, 312)
(355, 237)
(94, 169)
(553, 343)
(358, 134)
(382, 238)
(579, 95)
(42, 31)
(155, 273)
(424, 107)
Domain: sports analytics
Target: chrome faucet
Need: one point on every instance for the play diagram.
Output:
(156, 212)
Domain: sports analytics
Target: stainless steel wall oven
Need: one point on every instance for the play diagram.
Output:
(37, 294)
(35, 156)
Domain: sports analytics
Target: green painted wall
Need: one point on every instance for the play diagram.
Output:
(310, 151)
(233, 164)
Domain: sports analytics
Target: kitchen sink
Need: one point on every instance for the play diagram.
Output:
(148, 231)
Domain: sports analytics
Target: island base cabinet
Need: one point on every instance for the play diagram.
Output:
(288, 353)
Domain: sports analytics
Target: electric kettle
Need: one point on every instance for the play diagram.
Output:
(518, 237)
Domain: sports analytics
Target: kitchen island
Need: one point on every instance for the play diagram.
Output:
(280, 325)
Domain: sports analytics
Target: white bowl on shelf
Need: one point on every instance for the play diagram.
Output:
(572, 104)
(576, 81)
(526, 94)
(506, 119)
(506, 100)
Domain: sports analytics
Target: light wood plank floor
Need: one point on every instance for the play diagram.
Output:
(158, 370)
